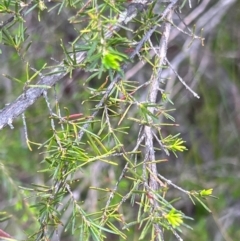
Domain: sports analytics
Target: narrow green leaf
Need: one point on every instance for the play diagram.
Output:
(203, 204)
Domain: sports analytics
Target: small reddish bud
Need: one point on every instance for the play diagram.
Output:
(73, 116)
(4, 234)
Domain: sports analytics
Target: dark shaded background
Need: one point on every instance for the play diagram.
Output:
(209, 125)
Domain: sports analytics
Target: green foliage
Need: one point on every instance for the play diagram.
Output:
(95, 169)
(111, 59)
(174, 218)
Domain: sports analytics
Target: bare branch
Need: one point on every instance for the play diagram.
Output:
(16, 108)
(182, 81)
(152, 97)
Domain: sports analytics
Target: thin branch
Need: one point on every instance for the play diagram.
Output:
(139, 141)
(25, 130)
(169, 182)
(5, 23)
(161, 144)
(182, 81)
(176, 235)
(50, 109)
(190, 3)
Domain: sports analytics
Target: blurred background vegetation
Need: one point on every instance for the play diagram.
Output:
(209, 125)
